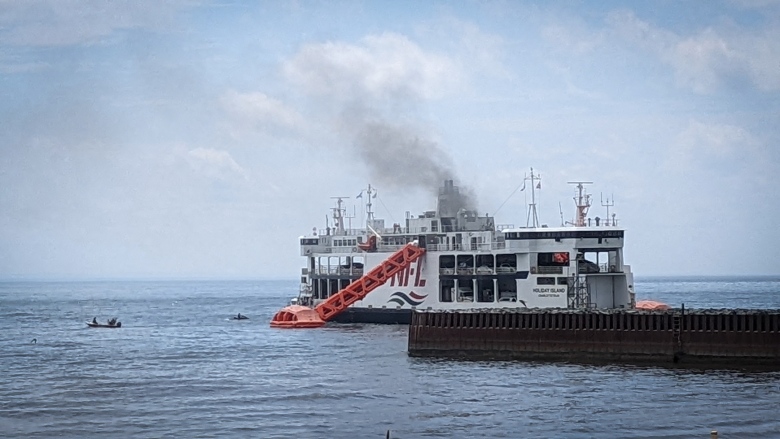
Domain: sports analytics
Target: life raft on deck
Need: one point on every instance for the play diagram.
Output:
(651, 305)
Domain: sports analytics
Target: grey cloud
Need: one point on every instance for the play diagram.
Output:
(711, 58)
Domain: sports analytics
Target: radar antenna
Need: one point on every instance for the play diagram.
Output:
(582, 201)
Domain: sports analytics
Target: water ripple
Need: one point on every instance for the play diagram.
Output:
(180, 367)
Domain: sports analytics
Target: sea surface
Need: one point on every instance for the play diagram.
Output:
(180, 367)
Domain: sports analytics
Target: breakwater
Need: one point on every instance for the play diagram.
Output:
(731, 337)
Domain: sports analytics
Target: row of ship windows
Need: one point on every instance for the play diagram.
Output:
(336, 242)
(567, 234)
(551, 281)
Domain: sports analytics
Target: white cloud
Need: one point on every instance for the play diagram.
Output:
(710, 58)
(477, 52)
(214, 163)
(387, 66)
(701, 141)
(259, 111)
(572, 37)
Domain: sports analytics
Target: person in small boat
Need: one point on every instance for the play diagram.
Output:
(239, 316)
(94, 320)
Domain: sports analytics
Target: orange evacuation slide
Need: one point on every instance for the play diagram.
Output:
(652, 305)
(296, 316)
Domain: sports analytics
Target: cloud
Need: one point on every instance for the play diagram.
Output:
(573, 37)
(476, 52)
(253, 111)
(702, 142)
(69, 22)
(215, 164)
(712, 58)
(387, 66)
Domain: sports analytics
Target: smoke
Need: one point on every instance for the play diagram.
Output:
(374, 89)
(400, 158)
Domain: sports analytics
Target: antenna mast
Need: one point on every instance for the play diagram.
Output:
(370, 193)
(532, 215)
(560, 210)
(339, 213)
(582, 201)
(608, 204)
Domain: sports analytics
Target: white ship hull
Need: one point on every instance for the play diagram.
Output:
(469, 264)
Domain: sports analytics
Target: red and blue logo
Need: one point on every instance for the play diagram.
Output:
(411, 274)
(412, 299)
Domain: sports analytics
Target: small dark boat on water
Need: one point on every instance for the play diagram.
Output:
(240, 317)
(104, 325)
(111, 324)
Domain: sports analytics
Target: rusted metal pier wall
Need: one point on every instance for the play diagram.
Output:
(703, 336)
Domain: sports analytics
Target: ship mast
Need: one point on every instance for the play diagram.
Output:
(339, 213)
(370, 193)
(533, 216)
(582, 201)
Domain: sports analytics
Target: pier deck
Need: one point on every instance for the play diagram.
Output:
(732, 337)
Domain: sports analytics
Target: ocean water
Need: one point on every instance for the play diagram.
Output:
(180, 367)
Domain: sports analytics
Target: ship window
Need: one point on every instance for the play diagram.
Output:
(506, 263)
(446, 288)
(485, 290)
(465, 291)
(465, 264)
(447, 264)
(559, 259)
(563, 281)
(507, 290)
(485, 264)
(545, 281)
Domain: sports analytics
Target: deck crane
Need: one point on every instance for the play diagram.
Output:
(297, 316)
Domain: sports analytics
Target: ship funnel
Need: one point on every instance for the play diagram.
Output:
(450, 200)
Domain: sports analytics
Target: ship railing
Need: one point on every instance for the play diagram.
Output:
(485, 247)
(325, 270)
(389, 247)
(341, 249)
(607, 268)
(398, 230)
(337, 270)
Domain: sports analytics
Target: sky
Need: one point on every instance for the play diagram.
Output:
(200, 139)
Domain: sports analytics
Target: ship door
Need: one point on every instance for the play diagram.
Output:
(474, 243)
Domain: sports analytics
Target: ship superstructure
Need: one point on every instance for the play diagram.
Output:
(469, 261)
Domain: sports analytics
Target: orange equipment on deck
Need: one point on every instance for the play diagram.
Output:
(296, 316)
(652, 305)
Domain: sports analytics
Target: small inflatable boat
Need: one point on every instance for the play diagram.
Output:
(104, 325)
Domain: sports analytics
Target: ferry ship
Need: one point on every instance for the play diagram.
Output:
(468, 262)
